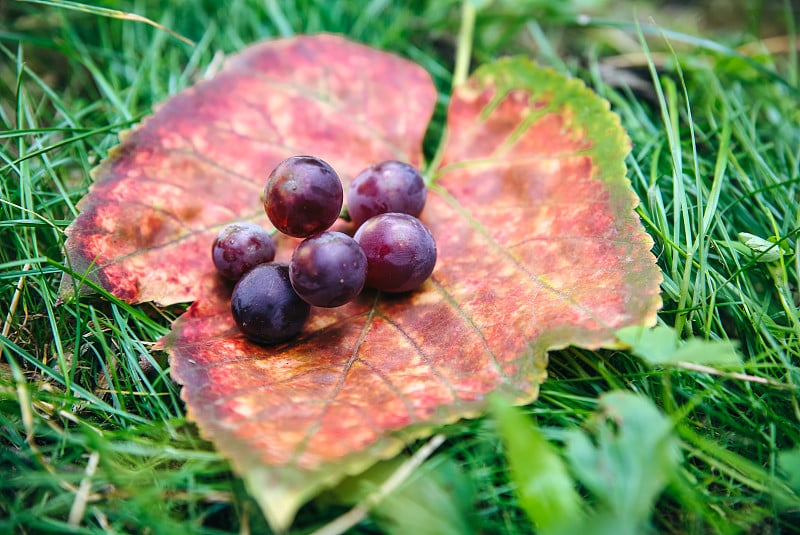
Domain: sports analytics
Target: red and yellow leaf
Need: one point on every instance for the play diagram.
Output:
(539, 248)
(145, 230)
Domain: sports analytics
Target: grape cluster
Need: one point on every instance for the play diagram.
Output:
(391, 249)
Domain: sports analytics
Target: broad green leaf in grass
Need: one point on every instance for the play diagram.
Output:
(440, 500)
(789, 462)
(661, 345)
(539, 247)
(437, 499)
(712, 352)
(543, 485)
(656, 345)
(626, 459)
(769, 250)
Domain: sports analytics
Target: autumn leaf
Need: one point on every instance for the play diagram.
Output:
(145, 230)
(538, 248)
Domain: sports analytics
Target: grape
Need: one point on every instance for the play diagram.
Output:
(401, 252)
(328, 269)
(265, 307)
(389, 186)
(303, 196)
(239, 247)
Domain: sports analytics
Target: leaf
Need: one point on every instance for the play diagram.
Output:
(437, 499)
(656, 346)
(202, 159)
(661, 345)
(627, 461)
(789, 462)
(769, 250)
(539, 248)
(544, 488)
(712, 352)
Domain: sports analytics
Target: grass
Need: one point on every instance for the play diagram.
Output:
(94, 435)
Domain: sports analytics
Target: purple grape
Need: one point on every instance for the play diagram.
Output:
(265, 307)
(240, 247)
(303, 196)
(328, 269)
(389, 186)
(400, 250)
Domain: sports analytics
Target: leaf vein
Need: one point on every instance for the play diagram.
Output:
(516, 262)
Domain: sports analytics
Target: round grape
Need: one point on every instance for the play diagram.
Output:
(328, 269)
(389, 186)
(265, 307)
(303, 196)
(400, 250)
(239, 247)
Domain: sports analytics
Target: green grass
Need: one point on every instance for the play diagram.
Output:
(715, 153)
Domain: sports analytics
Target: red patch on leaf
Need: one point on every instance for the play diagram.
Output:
(201, 161)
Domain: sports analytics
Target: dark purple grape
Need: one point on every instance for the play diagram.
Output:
(303, 196)
(265, 307)
(328, 269)
(389, 186)
(401, 252)
(240, 247)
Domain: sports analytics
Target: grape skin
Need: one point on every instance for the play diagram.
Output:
(265, 306)
(400, 250)
(303, 195)
(389, 186)
(328, 269)
(240, 247)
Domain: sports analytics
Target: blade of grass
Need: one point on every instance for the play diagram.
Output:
(110, 13)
